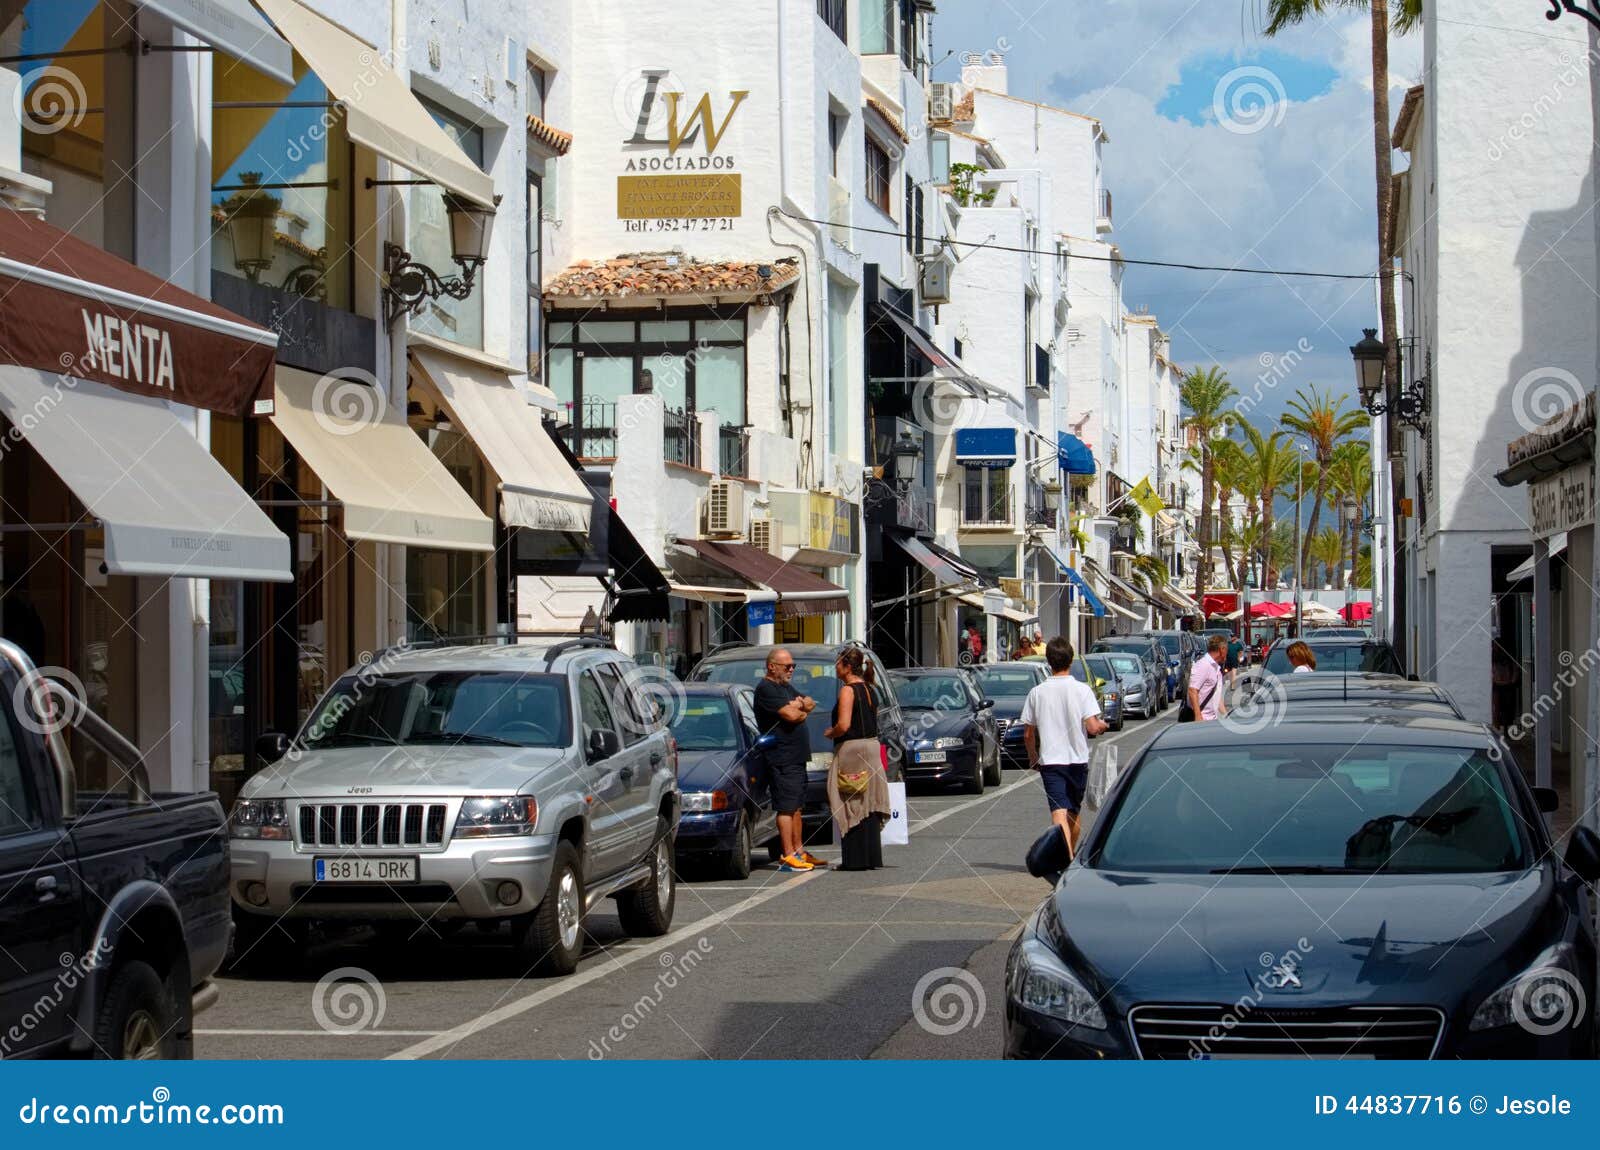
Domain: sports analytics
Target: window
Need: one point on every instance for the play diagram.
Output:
(986, 495)
(879, 168)
(593, 713)
(1029, 300)
(18, 811)
(624, 705)
(459, 321)
(879, 21)
(939, 159)
(838, 126)
(910, 40)
(911, 223)
(917, 207)
(445, 590)
(834, 13)
(534, 226)
(536, 85)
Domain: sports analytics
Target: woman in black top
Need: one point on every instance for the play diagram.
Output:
(858, 791)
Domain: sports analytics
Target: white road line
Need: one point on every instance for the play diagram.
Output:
(527, 1002)
(227, 1031)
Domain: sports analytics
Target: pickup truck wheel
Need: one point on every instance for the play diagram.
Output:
(550, 940)
(137, 1019)
(737, 865)
(646, 910)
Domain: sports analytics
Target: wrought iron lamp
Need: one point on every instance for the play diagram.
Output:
(1410, 403)
(252, 217)
(1577, 8)
(412, 284)
(907, 453)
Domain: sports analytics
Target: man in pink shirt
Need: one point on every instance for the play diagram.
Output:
(1205, 681)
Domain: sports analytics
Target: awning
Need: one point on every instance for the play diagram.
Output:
(75, 309)
(1179, 600)
(539, 490)
(706, 594)
(945, 572)
(1357, 612)
(771, 573)
(1524, 570)
(234, 27)
(167, 507)
(639, 587)
(986, 446)
(1127, 590)
(1010, 614)
(1074, 454)
(379, 107)
(1096, 604)
(393, 488)
(945, 363)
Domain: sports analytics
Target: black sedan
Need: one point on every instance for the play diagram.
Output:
(727, 808)
(1330, 888)
(1337, 655)
(950, 727)
(1007, 685)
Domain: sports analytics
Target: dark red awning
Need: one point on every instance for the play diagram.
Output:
(70, 308)
(768, 571)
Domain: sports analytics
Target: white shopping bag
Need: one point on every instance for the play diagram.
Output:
(897, 831)
(1102, 774)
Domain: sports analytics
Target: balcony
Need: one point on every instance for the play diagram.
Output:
(593, 434)
(681, 437)
(733, 451)
(1041, 518)
(1102, 223)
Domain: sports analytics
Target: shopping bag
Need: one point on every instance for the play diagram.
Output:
(897, 831)
(1102, 774)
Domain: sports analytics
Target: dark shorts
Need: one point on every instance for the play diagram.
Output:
(1064, 785)
(788, 782)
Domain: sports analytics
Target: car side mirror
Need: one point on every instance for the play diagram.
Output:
(1547, 799)
(985, 704)
(1583, 854)
(272, 746)
(1414, 678)
(766, 742)
(602, 745)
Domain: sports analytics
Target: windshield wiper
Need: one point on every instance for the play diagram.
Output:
(462, 737)
(1290, 869)
(361, 736)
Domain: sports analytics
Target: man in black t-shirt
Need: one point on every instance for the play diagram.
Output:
(781, 712)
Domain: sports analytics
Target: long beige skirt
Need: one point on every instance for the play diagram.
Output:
(848, 810)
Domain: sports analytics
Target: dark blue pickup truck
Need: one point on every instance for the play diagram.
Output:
(113, 905)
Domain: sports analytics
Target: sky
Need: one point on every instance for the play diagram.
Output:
(1226, 148)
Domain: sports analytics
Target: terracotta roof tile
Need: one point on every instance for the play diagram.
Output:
(551, 137)
(652, 275)
(889, 118)
(1408, 113)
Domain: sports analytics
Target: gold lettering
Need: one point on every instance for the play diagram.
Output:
(677, 137)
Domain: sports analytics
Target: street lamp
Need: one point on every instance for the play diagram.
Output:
(1410, 403)
(411, 284)
(252, 217)
(907, 451)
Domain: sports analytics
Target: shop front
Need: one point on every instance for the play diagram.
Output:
(821, 534)
(750, 595)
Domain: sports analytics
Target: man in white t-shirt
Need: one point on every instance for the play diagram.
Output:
(1058, 719)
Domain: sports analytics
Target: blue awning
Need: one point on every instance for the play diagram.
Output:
(1074, 453)
(993, 445)
(1080, 585)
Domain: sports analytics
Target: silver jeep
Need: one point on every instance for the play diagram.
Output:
(521, 783)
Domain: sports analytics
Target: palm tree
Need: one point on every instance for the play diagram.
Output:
(1325, 548)
(1270, 464)
(1205, 393)
(1283, 14)
(1323, 420)
(1350, 477)
(1151, 570)
(1227, 465)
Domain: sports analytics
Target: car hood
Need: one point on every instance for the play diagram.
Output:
(705, 770)
(1210, 938)
(1009, 707)
(936, 724)
(404, 770)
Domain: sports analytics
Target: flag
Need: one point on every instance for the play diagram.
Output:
(1147, 499)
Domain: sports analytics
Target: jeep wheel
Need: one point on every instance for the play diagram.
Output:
(647, 910)
(550, 940)
(737, 863)
(137, 1019)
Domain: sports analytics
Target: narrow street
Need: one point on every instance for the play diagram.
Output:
(824, 965)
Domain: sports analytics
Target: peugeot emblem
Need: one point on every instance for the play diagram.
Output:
(1284, 976)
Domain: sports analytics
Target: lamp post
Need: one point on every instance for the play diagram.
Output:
(1299, 540)
(252, 217)
(1409, 404)
(411, 284)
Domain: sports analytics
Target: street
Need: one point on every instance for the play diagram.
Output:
(820, 965)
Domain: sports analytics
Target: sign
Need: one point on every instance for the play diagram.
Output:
(832, 524)
(683, 139)
(1562, 502)
(688, 197)
(761, 614)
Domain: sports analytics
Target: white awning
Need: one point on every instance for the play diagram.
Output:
(539, 490)
(1010, 614)
(234, 27)
(380, 109)
(707, 594)
(167, 507)
(392, 487)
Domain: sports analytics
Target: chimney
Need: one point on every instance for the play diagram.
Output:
(984, 70)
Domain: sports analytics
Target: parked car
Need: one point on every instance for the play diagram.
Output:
(814, 675)
(1342, 633)
(1007, 685)
(113, 904)
(519, 784)
(1107, 687)
(950, 726)
(1180, 649)
(1136, 683)
(722, 778)
(1149, 652)
(1349, 869)
(1337, 654)
(1359, 689)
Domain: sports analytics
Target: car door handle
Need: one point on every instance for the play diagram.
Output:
(626, 773)
(655, 758)
(45, 888)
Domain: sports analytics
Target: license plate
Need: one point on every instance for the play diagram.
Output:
(366, 870)
(932, 757)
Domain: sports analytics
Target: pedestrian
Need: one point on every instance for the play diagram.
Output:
(1059, 717)
(1205, 684)
(1235, 658)
(1505, 679)
(973, 643)
(781, 712)
(858, 790)
(1025, 647)
(1301, 657)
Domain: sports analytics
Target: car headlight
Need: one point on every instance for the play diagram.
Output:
(260, 819)
(948, 742)
(1041, 982)
(1547, 992)
(704, 801)
(496, 817)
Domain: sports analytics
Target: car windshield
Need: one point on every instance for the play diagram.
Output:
(1139, 647)
(703, 723)
(1124, 664)
(1339, 657)
(1314, 809)
(1100, 666)
(812, 676)
(498, 708)
(1171, 644)
(930, 692)
(1009, 683)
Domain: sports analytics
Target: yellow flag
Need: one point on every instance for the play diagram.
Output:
(1145, 496)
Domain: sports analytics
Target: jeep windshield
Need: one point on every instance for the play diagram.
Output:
(812, 676)
(434, 708)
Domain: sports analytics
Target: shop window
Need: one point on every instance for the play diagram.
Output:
(457, 320)
(445, 590)
(879, 173)
(986, 495)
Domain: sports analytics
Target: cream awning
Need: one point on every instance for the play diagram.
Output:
(1011, 614)
(392, 488)
(234, 27)
(167, 507)
(538, 488)
(380, 109)
(707, 594)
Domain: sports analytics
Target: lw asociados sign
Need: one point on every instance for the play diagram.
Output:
(680, 177)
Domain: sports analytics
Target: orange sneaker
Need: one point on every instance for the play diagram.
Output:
(794, 863)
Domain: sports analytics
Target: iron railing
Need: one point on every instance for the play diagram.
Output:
(733, 451)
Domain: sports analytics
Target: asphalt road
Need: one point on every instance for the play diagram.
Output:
(904, 962)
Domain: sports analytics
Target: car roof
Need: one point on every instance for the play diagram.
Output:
(1373, 705)
(1354, 684)
(942, 671)
(1408, 728)
(1007, 664)
(747, 651)
(524, 657)
(1314, 640)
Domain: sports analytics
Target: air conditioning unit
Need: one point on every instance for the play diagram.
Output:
(724, 509)
(935, 281)
(764, 534)
(941, 101)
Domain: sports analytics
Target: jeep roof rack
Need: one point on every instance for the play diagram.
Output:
(567, 645)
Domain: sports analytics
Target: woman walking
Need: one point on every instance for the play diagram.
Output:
(1301, 657)
(858, 791)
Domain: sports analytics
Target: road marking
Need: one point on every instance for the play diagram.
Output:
(317, 1033)
(567, 985)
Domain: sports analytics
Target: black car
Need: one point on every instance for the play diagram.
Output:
(1344, 888)
(1007, 685)
(951, 728)
(1367, 690)
(1336, 655)
(1150, 653)
(727, 806)
(1181, 650)
(814, 676)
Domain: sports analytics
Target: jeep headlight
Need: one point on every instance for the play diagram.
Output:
(1544, 998)
(1043, 983)
(948, 743)
(259, 819)
(496, 817)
